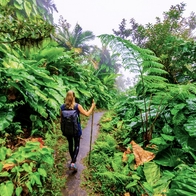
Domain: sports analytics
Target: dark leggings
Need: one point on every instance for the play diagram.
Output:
(74, 144)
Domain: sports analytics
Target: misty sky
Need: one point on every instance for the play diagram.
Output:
(101, 16)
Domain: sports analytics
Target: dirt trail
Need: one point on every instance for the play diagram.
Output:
(73, 179)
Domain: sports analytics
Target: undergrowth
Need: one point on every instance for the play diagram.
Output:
(57, 180)
(56, 141)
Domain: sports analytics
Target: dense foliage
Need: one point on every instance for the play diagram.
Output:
(171, 39)
(35, 74)
(146, 145)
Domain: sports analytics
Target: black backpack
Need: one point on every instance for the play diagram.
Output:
(69, 121)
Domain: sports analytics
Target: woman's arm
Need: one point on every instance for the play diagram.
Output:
(84, 112)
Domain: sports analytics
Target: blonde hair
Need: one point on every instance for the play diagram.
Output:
(70, 99)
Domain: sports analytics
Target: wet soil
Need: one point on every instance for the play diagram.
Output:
(74, 178)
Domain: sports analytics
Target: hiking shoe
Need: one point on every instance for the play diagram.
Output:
(73, 167)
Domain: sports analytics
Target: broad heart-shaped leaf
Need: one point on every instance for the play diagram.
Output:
(190, 126)
(5, 119)
(177, 108)
(181, 136)
(27, 167)
(161, 186)
(3, 152)
(167, 137)
(35, 178)
(151, 172)
(18, 191)
(167, 129)
(39, 108)
(148, 188)
(4, 174)
(191, 104)
(19, 1)
(169, 157)
(179, 118)
(4, 2)
(46, 154)
(7, 188)
(52, 103)
(160, 143)
(3, 99)
(184, 184)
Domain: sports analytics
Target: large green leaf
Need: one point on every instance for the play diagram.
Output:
(179, 117)
(18, 6)
(4, 2)
(55, 94)
(151, 172)
(161, 186)
(53, 104)
(170, 157)
(6, 119)
(167, 137)
(159, 142)
(42, 172)
(184, 184)
(85, 92)
(19, 190)
(6, 188)
(35, 178)
(3, 153)
(190, 126)
(177, 108)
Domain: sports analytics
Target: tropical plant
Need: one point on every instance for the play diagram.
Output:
(106, 66)
(33, 84)
(29, 94)
(166, 39)
(155, 115)
(21, 23)
(22, 171)
(145, 64)
(77, 40)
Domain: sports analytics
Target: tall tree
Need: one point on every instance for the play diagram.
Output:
(106, 65)
(76, 40)
(166, 38)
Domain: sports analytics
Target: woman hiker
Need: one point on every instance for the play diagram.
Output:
(74, 141)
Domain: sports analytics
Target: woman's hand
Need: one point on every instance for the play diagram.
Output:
(93, 104)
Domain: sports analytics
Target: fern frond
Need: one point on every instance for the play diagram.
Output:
(154, 71)
(117, 162)
(108, 176)
(147, 63)
(154, 79)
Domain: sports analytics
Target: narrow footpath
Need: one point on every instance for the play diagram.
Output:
(73, 179)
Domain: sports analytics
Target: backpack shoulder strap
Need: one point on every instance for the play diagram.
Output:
(63, 107)
(76, 107)
(78, 112)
